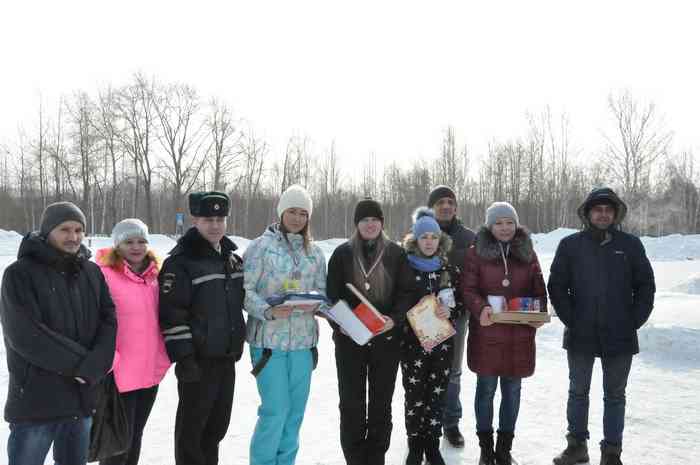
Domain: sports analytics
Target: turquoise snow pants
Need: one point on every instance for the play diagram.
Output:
(283, 385)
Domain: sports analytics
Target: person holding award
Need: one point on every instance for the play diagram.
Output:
(283, 336)
(501, 265)
(378, 268)
(426, 372)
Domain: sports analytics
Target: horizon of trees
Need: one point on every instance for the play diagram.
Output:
(138, 149)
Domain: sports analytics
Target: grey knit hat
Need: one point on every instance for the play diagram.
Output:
(128, 229)
(501, 210)
(57, 213)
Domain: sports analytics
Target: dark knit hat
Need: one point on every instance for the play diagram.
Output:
(57, 213)
(209, 204)
(368, 207)
(438, 193)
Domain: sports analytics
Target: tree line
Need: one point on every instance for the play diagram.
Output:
(138, 149)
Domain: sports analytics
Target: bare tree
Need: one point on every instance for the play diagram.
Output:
(225, 137)
(639, 140)
(135, 107)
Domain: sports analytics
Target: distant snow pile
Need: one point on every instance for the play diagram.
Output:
(672, 247)
(546, 243)
(671, 343)
(691, 285)
(9, 242)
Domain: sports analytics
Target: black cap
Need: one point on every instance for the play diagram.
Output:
(57, 213)
(209, 204)
(368, 207)
(440, 192)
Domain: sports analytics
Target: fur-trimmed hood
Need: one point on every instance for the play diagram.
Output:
(410, 245)
(521, 247)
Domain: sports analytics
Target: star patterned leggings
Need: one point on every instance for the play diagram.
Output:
(425, 377)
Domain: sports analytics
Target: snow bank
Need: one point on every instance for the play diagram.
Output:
(691, 285)
(9, 242)
(673, 247)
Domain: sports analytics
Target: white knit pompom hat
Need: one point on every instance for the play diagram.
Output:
(295, 197)
(128, 229)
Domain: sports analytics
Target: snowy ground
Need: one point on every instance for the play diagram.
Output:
(663, 418)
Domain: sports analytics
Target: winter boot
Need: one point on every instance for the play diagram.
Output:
(610, 454)
(432, 452)
(454, 437)
(415, 451)
(576, 452)
(504, 443)
(487, 456)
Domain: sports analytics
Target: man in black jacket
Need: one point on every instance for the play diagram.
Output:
(59, 328)
(601, 285)
(201, 301)
(443, 201)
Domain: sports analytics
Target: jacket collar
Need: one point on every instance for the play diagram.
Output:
(194, 245)
(521, 247)
(37, 248)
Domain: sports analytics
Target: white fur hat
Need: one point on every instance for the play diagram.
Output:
(295, 197)
(129, 228)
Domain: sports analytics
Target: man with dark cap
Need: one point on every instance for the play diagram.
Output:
(443, 201)
(201, 301)
(59, 327)
(601, 285)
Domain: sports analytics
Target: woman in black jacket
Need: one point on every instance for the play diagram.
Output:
(378, 268)
(426, 373)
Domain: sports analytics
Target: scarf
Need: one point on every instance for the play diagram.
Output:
(425, 264)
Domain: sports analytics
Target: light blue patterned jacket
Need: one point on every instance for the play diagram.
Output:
(268, 263)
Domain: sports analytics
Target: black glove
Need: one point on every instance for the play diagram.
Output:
(187, 370)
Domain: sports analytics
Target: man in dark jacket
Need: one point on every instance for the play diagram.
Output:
(601, 285)
(201, 300)
(59, 328)
(443, 201)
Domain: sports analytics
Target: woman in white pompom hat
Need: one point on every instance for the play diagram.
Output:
(283, 337)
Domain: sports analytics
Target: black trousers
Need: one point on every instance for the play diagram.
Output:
(138, 405)
(365, 414)
(425, 377)
(204, 413)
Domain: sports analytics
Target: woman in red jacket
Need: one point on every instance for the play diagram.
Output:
(501, 263)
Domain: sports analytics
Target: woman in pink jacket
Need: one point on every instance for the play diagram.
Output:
(140, 363)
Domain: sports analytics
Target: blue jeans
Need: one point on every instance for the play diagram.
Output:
(29, 442)
(284, 386)
(616, 370)
(483, 403)
(452, 407)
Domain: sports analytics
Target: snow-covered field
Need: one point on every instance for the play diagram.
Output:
(663, 417)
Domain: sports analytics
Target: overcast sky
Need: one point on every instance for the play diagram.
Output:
(377, 76)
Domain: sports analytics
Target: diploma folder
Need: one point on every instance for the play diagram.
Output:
(429, 329)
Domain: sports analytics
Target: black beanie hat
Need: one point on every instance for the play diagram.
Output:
(438, 193)
(57, 213)
(368, 207)
(209, 204)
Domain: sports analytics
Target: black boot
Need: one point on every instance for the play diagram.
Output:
(415, 451)
(504, 443)
(576, 452)
(487, 456)
(609, 454)
(432, 452)
(454, 437)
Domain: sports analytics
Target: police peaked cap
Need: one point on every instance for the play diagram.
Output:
(209, 204)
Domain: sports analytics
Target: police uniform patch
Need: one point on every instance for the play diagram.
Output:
(168, 283)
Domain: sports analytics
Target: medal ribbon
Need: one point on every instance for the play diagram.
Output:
(366, 274)
(503, 256)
